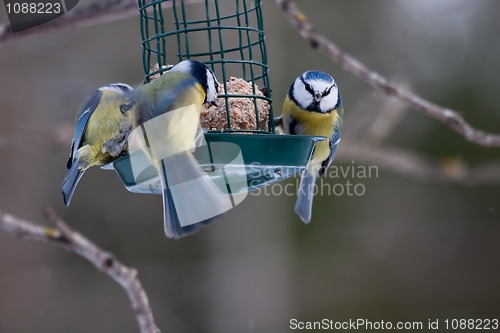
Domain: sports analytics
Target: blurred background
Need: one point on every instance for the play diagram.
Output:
(405, 250)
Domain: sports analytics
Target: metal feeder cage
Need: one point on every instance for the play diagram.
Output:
(228, 36)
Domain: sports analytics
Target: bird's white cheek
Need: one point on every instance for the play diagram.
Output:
(329, 102)
(211, 91)
(302, 96)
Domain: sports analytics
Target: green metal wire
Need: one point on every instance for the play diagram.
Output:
(171, 36)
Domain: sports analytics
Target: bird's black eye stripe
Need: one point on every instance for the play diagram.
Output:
(307, 85)
(327, 91)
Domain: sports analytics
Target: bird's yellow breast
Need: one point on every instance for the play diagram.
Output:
(103, 125)
(311, 123)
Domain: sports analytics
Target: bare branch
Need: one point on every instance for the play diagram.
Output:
(80, 17)
(63, 236)
(352, 65)
(414, 166)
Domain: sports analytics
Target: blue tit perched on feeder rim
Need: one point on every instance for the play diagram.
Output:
(313, 107)
(167, 117)
(102, 127)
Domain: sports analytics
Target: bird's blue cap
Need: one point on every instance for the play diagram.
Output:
(317, 75)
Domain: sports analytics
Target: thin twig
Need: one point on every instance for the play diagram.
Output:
(414, 166)
(387, 119)
(83, 16)
(352, 65)
(63, 236)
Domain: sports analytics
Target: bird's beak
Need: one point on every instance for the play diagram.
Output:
(214, 103)
(317, 97)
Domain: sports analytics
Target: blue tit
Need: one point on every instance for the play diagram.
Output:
(167, 117)
(312, 107)
(102, 127)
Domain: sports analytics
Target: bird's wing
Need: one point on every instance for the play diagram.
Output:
(334, 142)
(278, 121)
(163, 95)
(87, 110)
(278, 125)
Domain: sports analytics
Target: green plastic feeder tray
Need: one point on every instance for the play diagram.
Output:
(247, 161)
(228, 36)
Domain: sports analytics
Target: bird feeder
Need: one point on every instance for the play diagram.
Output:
(228, 36)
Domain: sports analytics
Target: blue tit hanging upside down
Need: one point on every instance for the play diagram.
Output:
(167, 115)
(312, 107)
(102, 127)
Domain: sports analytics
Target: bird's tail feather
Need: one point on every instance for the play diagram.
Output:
(189, 196)
(70, 182)
(303, 205)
